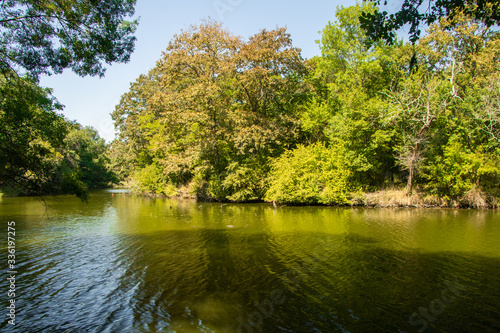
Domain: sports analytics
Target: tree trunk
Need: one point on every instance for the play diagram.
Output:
(410, 179)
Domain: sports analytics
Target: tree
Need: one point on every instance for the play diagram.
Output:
(134, 120)
(444, 112)
(31, 130)
(382, 25)
(310, 174)
(354, 73)
(270, 76)
(40, 151)
(214, 109)
(45, 37)
(48, 36)
(85, 154)
(415, 107)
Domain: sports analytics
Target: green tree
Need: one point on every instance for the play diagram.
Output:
(40, 151)
(31, 134)
(447, 106)
(45, 37)
(354, 75)
(214, 108)
(310, 174)
(48, 36)
(419, 101)
(85, 153)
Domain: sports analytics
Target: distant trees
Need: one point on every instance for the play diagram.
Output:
(242, 120)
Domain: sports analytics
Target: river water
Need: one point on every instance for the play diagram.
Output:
(125, 263)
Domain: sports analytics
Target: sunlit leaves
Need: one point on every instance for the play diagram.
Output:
(48, 36)
(216, 101)
(312, 174)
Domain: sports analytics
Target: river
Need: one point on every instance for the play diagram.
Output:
(125, 263)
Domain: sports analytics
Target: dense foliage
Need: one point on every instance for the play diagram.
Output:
(224, 118)
(213, 111)
(40, 151)
(48, 36)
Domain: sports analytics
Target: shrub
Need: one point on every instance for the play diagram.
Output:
(151, 179)
(458, 172)
(309, 174)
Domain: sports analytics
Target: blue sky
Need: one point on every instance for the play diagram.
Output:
(90, 100)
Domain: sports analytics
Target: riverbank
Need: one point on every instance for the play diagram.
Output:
(420, 199)
(379, 199)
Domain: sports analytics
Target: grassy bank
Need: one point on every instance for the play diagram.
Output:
(400, 198)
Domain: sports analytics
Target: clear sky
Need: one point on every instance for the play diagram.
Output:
(91, 100)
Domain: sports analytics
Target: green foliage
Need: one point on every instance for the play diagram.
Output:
(151, 179)
(213, 105)
(355, 74)
(40, 151)
(86, 154)
(121, 159)
(454, 172)
(247, 120)
(309, 174)
(382, 25)
(459, 170)
(31, 134)
(245, 181)
(49, 36)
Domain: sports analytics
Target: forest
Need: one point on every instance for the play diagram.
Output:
(366, 122)
(226, 118)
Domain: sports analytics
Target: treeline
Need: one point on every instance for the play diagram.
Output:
(223, 118)
(40, 151)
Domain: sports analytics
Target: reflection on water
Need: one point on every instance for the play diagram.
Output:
(123, 263)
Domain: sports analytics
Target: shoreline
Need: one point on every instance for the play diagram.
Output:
(379, 199)
(389, 198)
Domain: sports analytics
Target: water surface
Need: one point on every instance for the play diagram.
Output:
(124, 263)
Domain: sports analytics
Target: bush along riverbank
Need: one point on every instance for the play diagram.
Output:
(226, 118)
(379, 199)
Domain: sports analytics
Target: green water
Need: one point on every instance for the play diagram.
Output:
(123, 263)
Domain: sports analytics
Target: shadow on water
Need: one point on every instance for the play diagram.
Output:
(217, 280)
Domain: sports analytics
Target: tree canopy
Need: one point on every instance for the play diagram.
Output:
(417, 13)
(40, 151)
(45, 37)
(214, 105)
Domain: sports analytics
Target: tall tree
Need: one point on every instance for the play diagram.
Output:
(31, 130)
(354, 73)
(45, 37)
(40, 151)
(216, 108)
(416, 106)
